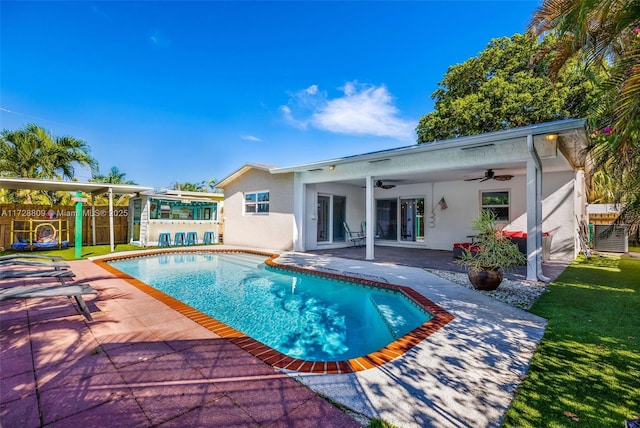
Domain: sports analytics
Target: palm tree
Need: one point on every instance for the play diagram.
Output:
(33, 152)
(189, 187)
(604, 33)
(115, 176)
(210, 185)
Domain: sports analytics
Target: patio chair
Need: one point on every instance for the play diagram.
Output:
(60, 275)
(355, 237)
(47, 291)
(18, 262)
(29, 256)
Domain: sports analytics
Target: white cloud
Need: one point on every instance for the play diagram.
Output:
(158, 40)
(250, 138)
(362, 110)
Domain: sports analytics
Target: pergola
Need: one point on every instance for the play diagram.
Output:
(75, 186)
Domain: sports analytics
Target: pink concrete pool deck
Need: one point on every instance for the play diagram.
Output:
(139, 363)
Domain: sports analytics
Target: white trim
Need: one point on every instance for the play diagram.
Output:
(455, 143)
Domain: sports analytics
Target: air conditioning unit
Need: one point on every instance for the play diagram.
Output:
(616, 242)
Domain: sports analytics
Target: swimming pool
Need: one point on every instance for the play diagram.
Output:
(303, 316)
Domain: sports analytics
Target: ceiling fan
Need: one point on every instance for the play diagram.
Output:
(491, 175)
(383, 185)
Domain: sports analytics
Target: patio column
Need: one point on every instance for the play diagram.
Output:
(534, 214)
(370, 203)
(111, 238)
(299, 190)
(531, 221)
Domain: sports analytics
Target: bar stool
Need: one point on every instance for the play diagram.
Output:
(164, 239)
(192, 238)
(209, 238)
(178, 239)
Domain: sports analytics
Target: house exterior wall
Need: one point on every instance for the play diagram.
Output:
(558, 214)
(463, 199)
(273, 230)
(435, 171)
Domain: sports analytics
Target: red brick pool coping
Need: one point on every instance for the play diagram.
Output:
(275, 358)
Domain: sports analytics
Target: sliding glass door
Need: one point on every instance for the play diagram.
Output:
(387, 219)
(331, 215)
(412, 219)
(404, 224)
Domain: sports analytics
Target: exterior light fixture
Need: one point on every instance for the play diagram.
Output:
(332, 167)
(551, 137)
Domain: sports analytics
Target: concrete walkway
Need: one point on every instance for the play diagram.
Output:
(142, 364)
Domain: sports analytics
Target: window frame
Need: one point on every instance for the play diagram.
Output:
(257, 203)
(490, 207)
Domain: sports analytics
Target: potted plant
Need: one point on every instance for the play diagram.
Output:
(496, 253)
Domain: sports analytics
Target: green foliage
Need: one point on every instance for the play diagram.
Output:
(605, 35)
(496, 250)
(500, 89)
(379, 423)
(33, 152)
(585, 371)
(115, 176)
(203, 186)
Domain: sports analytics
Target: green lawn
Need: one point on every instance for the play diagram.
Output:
(586, 370)
(89, 251)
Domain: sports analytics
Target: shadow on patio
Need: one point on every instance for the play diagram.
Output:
(429, 259)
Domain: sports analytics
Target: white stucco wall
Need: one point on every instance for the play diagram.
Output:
(463, 199)
(558, 214)
(273, 231)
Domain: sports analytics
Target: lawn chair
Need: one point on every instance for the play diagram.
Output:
(355, 237)
(46, 291)
(60, 275)
(19, 262)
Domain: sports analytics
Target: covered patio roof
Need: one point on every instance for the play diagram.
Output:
(76, 186)
(69, 186)
(569, 136)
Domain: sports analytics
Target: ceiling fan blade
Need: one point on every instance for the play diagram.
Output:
(473, 179)
(484, 179)
(504, 177)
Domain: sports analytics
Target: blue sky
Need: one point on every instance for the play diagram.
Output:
(188, 91)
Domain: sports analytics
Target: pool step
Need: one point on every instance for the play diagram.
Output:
(241, 260)
(385, 305)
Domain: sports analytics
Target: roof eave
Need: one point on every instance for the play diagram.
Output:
(456, 143)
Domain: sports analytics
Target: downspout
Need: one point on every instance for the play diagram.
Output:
(538, 208)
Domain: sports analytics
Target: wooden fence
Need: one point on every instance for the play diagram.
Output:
(11, 212)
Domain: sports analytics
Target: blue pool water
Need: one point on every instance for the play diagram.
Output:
(303, 316)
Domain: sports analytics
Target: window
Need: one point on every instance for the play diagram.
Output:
(256, 203)
(178, 210)
(496, 202)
